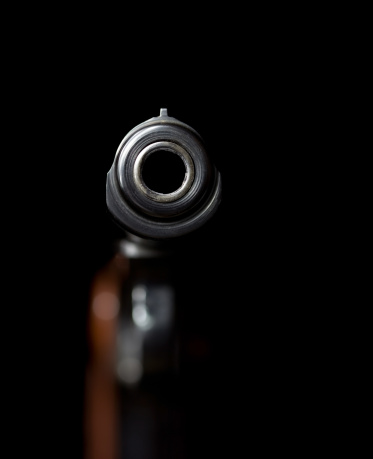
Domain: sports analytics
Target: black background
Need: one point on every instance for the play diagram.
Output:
(258, 110)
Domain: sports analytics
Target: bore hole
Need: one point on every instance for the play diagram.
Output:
(163, 171)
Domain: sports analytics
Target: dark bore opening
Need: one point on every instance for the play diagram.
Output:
(163, 171)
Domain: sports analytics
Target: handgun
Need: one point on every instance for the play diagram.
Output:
(162, 188)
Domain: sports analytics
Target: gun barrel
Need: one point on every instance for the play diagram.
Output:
(162, 183)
